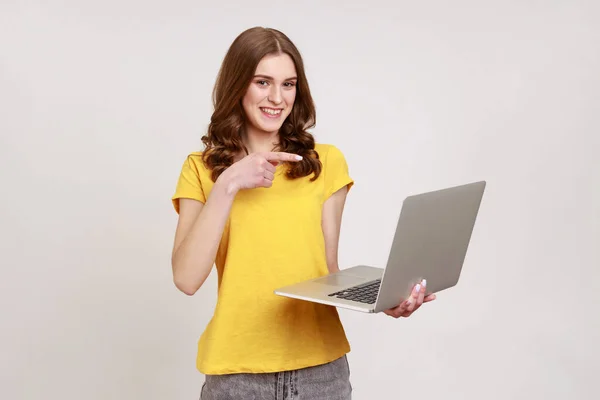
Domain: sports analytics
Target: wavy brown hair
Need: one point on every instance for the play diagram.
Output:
(223, 139)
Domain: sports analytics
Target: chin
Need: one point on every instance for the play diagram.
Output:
(270, 128)
(266, 126)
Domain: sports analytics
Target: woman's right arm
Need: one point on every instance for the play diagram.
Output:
(199, 231)
(200, 226)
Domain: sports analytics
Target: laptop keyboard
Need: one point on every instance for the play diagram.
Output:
(364, 293)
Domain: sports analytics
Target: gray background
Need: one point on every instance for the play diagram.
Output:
(101, 102)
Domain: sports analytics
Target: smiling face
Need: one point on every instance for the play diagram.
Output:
(271, 94)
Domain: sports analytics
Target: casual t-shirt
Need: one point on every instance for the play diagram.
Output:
(273, 238)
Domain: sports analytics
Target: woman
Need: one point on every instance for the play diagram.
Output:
(264, 203)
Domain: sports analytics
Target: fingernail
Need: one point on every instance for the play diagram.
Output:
(408, 302)
(418, 287)
(298, 157)
(424, 282)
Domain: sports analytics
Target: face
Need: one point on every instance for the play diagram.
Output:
(271, 94)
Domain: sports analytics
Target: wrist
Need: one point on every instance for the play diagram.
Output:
(226, 186)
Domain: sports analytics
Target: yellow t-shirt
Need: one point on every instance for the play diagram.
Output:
(273, 237)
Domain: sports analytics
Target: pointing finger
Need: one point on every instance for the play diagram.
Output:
(282, 156)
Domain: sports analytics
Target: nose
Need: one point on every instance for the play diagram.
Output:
(275, 95)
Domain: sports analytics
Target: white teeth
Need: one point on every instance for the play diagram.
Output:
(270, 111)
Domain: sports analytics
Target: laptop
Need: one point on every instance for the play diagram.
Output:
(431, 240)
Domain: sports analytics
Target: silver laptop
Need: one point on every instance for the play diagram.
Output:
(431, 240)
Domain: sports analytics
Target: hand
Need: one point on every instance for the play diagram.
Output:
(255, 170)
(412, 304)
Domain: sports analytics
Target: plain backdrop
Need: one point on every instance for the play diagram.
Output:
(101, 101)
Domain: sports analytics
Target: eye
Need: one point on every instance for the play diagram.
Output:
(290, 84)
(262, 82)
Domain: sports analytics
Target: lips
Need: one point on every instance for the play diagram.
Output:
(271, 112)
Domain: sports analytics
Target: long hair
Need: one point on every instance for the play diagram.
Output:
(223, 139)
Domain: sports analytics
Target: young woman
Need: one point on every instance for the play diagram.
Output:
(263, 202)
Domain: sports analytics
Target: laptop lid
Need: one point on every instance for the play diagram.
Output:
(431, 240)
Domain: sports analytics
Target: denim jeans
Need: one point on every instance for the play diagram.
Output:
(329, 381)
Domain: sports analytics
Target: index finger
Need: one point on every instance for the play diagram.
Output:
(282, 156)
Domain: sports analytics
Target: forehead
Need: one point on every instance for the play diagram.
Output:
(279, 66)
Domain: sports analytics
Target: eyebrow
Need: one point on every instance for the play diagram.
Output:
(271, 78)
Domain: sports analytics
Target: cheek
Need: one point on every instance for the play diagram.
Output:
(245, 104)
(290, 97)
(253, 95)
(249, 101)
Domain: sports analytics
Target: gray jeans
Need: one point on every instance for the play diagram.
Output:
(324, 382)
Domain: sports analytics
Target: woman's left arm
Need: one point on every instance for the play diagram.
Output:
(331, 222)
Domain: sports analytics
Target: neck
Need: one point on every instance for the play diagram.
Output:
(259, 141)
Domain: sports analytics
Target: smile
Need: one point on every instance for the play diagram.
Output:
(270, 111)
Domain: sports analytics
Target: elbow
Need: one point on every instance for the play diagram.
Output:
(188, 278)
(183, 282)
(186, 283)
(184, 286)
(189, 292)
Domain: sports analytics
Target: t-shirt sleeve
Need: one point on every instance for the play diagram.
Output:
(336, 172)
(189, 185)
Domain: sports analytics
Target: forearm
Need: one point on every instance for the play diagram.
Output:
(333, 209)
(194, 258)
